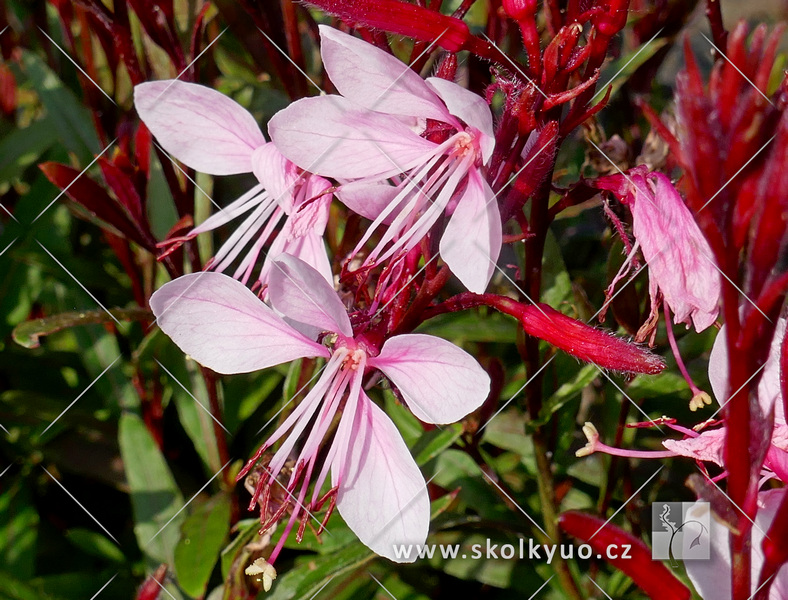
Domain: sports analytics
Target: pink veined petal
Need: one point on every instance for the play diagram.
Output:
(302, 294)
(680, 260)
(276, 173)
(221, 324)
(777, 455)
(368, 199)
(201, 127)
(331, 136)
(472, 240)
(712, 578)
(376, 80)
(769, 389)
(706, 447)
(469, 107)
(440, 382)
(718, 367)
(382, 495)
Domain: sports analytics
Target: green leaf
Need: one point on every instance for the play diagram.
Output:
(70, 118)
(408, 425)
(247, 530)
(436, 441)
(155, 497)
(309, 578)
(568, 391)
(202, 538)
(95, 544)
(18, 529)
(468, 327)
(27, 334)
(23, 147)
(12, 588)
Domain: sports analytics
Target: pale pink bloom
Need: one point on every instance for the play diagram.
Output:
(681, 263)
(708, 445)
(409, 151)
(712, 577)
(379, 490)
(209, 132)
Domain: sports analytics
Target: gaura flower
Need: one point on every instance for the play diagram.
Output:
(211, 133)
(377, 486)
(681, 263)
(712, 577)
(708, 444)
(408, 151)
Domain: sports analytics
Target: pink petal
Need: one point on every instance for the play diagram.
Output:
(330, 136)
(472, 240)
(201, 127)
(712, 578)
(718, 367)
(680, 260)
(469, 107)
(706, 447)
(375, 79)
(275, 172)
(769, 391)
(302, 294)
(368, 199)
(382, 496)
(222, 325)
(440, 382)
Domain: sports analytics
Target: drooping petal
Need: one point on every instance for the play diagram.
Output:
(680, 259)
(469, 107)
(440, 382)
(472, 240)
(382, 495)
(303, 295)
(376, 80)
(222, 325)
(331, 136)
(201, 127)
(707, 447)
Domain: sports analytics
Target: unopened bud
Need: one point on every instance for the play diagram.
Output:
(520, 10)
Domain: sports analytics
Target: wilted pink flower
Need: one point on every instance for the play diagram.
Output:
(409, 150)
(212, 133)
(681, 263)
(712, 577)
(379, 490)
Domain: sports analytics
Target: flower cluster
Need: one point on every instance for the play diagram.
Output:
(413, 156)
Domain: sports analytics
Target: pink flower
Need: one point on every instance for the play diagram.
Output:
(681, 263)
(209, 132)
(377, 486)
(712, 578)
(708, 445)
(409, 150)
